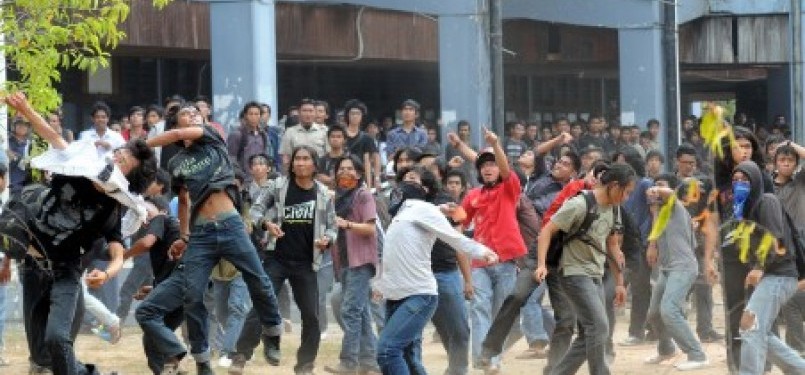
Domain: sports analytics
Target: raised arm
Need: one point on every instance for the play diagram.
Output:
(545, 147)
(462, 147)
(18, 101)
(176, 135)
(500, 154)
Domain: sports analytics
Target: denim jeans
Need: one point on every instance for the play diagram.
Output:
(450, 321)
(537, 321)
(508, 314)
(304, 285)
(3, 313)
(667, 314)
(232, 303)
(492, 284)
(54, 302)
(35, 308)
(156, 315)
(586, 295)
(399, 348)
(325, 278)
(209, 243)
(734, 293)
(609, 306)
(794, 315)
(759, 341)
(358, 344)
(377, 309)
(140, 274)
(564, 316)
(640, 286)
(703, 297)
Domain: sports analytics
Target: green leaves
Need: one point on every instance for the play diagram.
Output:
(43, 36)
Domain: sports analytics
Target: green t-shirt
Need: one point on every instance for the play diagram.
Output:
(579, 258)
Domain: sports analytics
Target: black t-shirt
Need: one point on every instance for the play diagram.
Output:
(361, 144)
(443, 256)
(204, 168)
(73, 215)
(326, 163)
(297, 223)
(166, 231)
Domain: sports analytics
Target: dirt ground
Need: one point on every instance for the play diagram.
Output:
(127, 357)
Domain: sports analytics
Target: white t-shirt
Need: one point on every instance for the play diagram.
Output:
(114, 138)
(407, 250)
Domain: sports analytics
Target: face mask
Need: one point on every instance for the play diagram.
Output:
(403, 191)
(347, 182)
(740, 194)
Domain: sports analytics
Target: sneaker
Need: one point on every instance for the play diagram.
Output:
(492, 369)
(632, 341)
(656, 359)
(341, 369)
(170, 369)
(271, 350)
(102, 332)
(35, 369)
(203, 368)
(224, 361)
(288, 325)
(533, 353)
(692, 365)
(4, 362)
(238, 363)
(115, 334)
(711, 337)
(374, 370)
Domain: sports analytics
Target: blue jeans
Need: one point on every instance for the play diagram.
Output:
(51, 307)
(492, 284)
(157, 316)
(450, 320)
(377, 309)
(140, 274)
(325, 278)
(758, 341)
(586, 295)
(302, 279)
(3, 308)
(399, 348)
(563, 315)
(666, 313)
(209, 243)
(232, 303)
(358, 344)
(794, 314)
(536, 321)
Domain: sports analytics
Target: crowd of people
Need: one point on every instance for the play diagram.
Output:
(393, 229)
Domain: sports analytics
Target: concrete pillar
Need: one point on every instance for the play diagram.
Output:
(642, 82)
(464, 72)
(244, 57)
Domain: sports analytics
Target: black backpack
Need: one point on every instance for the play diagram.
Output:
(561, 238)
(16, 219)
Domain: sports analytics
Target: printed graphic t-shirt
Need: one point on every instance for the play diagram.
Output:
(297, 223)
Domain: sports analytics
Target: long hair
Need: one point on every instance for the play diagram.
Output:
(145, 173)
(311, 152)
(356, 162)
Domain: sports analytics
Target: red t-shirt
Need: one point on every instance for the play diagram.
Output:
(569, 191)
(494, 211)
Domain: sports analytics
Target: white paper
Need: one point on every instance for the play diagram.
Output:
(627, 118)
